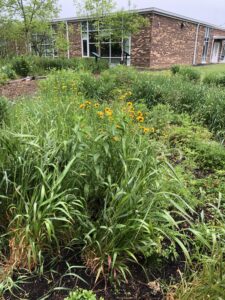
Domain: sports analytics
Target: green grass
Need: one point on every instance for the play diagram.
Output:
(213, 68)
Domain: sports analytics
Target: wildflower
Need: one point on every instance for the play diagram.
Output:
(82, 106)
(130, 104)
(108, 112)
(140, 113)
(140, 119)
(88, 102)
(96, 105)
(100, 114)
(146, 130)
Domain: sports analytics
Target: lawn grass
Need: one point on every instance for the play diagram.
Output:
(213, 68)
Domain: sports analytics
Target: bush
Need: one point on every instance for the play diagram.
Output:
(190, 73)
(215, 79)
(186, 72)
(82, 295)
(21, 66)
(8, 70)
(42, 65)
(175, 69)
(3, 78)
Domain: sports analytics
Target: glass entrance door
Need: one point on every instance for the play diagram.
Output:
(216, 52)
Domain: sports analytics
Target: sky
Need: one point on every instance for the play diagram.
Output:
(212, 11)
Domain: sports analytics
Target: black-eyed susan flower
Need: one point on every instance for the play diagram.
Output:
(140, 119)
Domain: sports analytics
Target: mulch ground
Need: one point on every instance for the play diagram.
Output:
(18, 89)
(142, 285)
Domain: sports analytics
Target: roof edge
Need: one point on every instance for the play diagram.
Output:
(153, 10)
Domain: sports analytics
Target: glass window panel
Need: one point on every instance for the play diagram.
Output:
(92, 26)
(105, 50)
(93, 48)
(127, 46)
(116, 50)
(115, 61)
(84, 26)
(84, 35)
(93, 37)
(85, 52)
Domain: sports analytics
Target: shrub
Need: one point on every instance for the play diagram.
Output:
(42, 65)
(21, 66)
(8, 70)
(175, 69)
(186, 72)
(82, 295)
(190, 73)
(215, 79)
(3, 78)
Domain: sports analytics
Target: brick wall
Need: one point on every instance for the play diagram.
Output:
(173, 42)
(75, 39)
(200, 44)
(141, 46)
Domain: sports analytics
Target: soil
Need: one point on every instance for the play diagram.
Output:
(56, 286)
(18, 88)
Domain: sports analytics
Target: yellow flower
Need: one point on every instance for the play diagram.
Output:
(100, 114)
(140, 113)
(96, 105)
(140, 119)
(129, 103)
(146, 130)
(82, 106)
(108, 112)
(88, 102)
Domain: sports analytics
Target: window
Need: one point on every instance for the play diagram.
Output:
(109, 48)
(206, 45)
(222, 57)
(43, 45)
(84, 28)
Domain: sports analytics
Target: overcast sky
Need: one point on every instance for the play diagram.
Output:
(212, 11)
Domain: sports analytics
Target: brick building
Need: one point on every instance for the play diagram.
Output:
(168, 39)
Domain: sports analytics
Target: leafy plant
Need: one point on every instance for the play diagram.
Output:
(82, 295)
(21, 66)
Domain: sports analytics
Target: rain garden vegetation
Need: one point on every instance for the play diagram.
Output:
(121, 171)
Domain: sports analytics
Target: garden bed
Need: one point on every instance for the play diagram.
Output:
(18, 88)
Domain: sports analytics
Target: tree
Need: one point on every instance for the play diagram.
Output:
(118, 24)
(30, 14)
